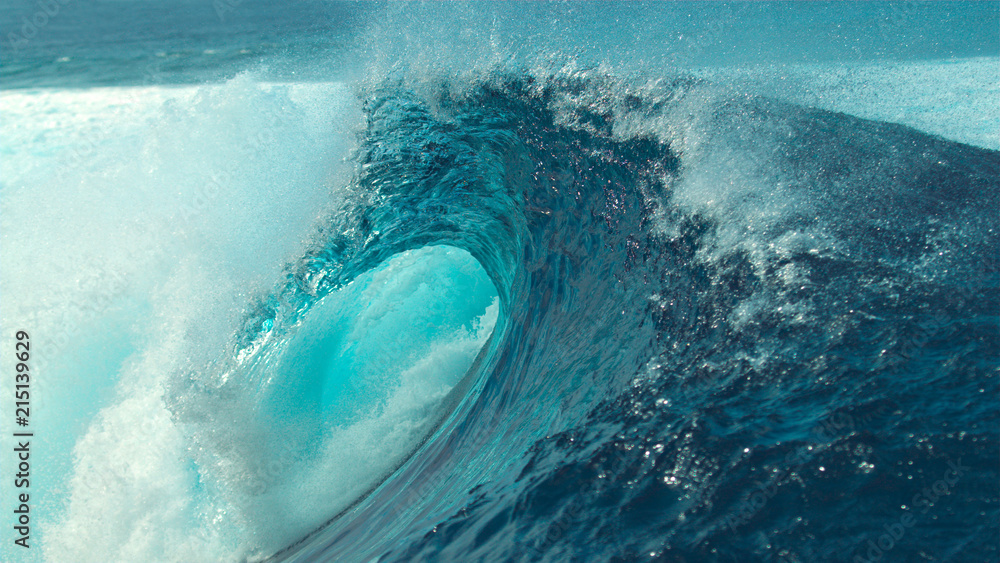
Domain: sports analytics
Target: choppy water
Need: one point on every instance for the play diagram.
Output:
(505, 282)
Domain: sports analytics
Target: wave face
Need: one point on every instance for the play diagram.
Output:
(730, 327)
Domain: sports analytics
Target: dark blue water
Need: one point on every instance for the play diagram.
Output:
(731, 328)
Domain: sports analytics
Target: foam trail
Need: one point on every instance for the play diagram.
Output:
(224, 184)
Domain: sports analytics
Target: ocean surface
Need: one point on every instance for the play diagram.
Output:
(490, 282)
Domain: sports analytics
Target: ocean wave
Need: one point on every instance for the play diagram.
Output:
(530, 314)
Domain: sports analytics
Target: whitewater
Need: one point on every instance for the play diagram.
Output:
(456, 286)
